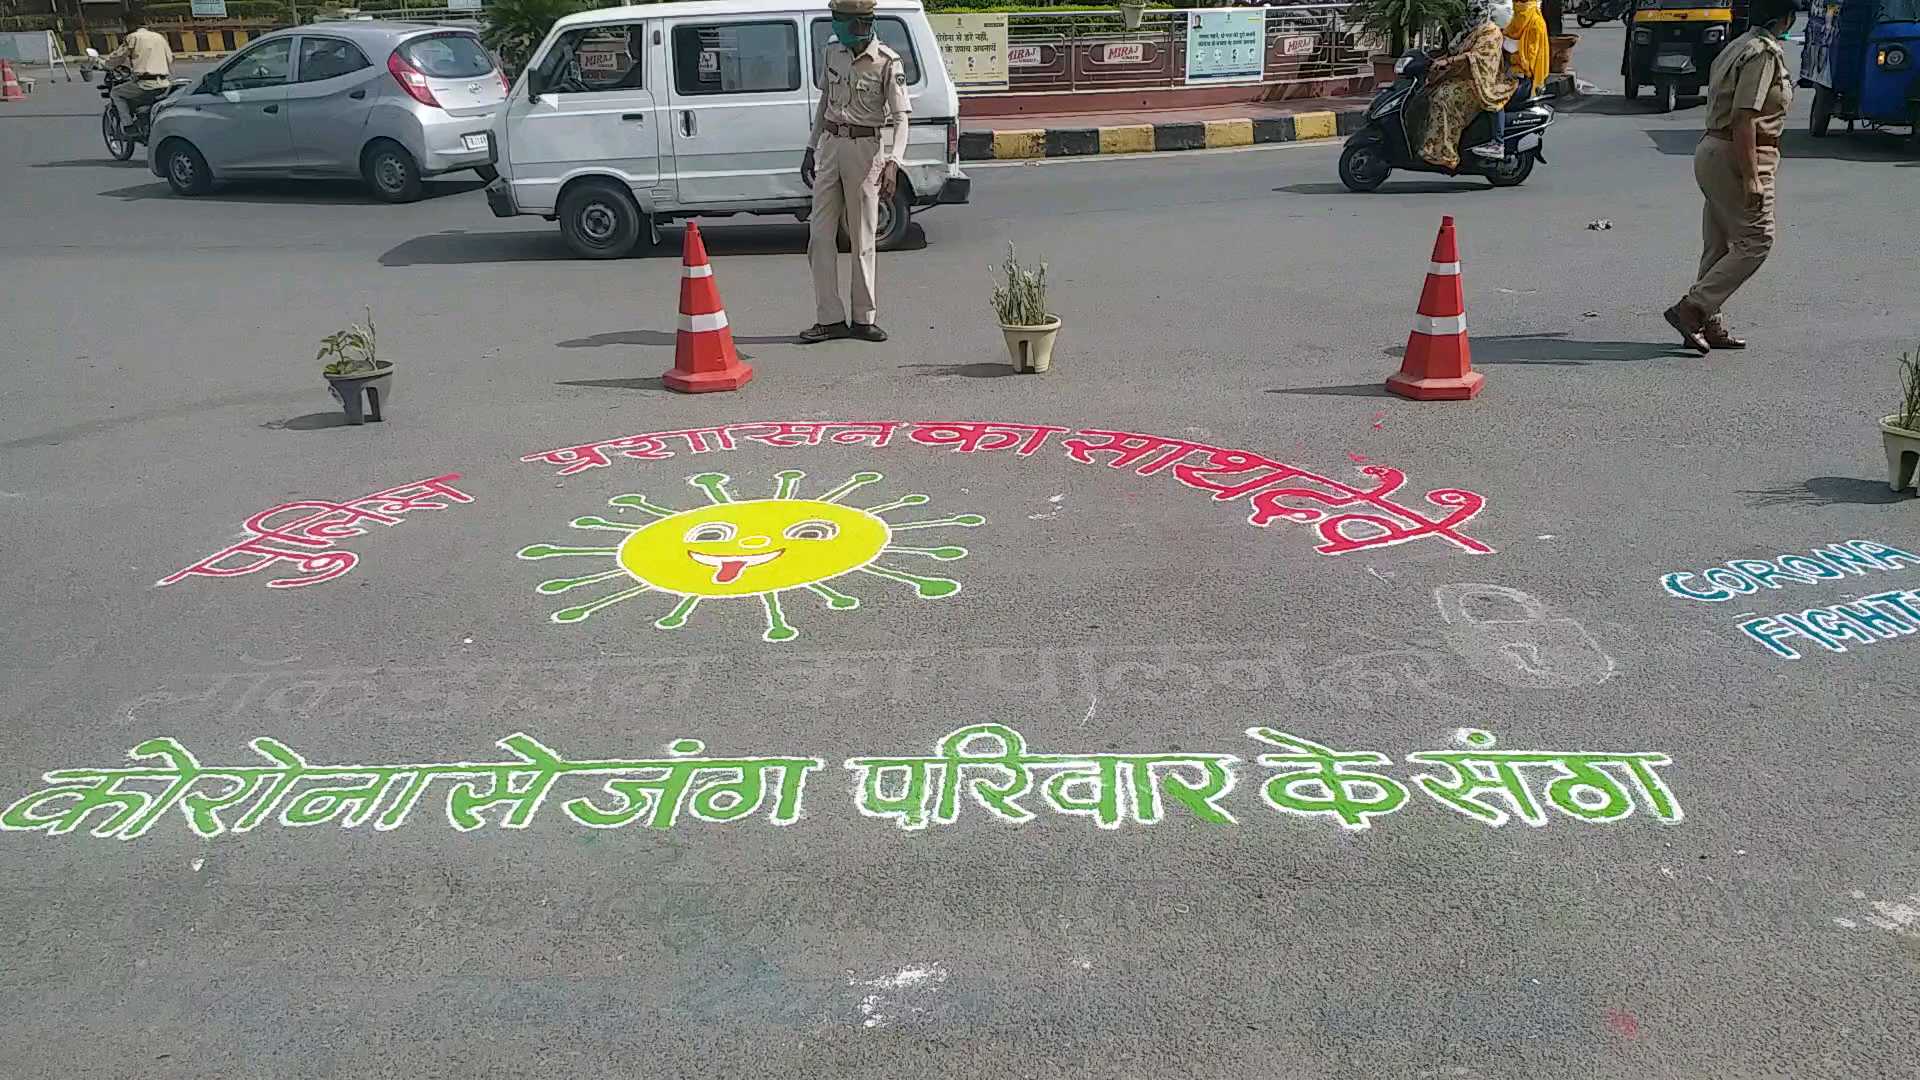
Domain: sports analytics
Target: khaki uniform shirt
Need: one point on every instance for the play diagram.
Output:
(148, 54)
(869, 90)
(1751, 73)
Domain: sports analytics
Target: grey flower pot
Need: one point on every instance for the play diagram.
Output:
(363, 396)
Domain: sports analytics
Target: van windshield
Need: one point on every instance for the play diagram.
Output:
(1900, 10)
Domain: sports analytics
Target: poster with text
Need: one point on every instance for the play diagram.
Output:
(1227, 46)
(209, 9)
(975, 47)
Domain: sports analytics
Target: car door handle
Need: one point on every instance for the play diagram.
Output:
(271, 109)
(357, 94)
(636, 117)
(686, 122)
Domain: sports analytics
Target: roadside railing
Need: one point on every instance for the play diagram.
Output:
(1306, 46)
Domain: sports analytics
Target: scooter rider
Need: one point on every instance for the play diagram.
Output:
(151, 59)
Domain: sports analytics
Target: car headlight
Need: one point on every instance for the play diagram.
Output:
(1643, 37)
(1894, 57)
(1714, 35)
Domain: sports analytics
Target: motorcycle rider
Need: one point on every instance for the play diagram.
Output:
(151, 59)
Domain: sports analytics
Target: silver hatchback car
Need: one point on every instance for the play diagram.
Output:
(389, 102)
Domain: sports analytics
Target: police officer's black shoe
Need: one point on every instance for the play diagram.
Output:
(819, 332)
(869, 332)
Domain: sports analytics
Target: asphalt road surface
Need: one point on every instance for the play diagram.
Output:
(1754, 915)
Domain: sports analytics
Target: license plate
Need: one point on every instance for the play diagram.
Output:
(476, 143)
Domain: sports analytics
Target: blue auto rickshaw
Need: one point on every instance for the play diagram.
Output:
(1862, 61)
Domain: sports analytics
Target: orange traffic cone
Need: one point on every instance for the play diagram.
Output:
(1438, 365)
(704, 358)
(10, 84)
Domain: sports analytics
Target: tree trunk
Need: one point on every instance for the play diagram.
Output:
(1556, 22)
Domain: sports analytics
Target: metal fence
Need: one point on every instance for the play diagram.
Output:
(1307, 46)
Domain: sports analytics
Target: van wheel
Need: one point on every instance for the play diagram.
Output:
(890, 225)
(187, 172)
(391, 173)
(599, 220)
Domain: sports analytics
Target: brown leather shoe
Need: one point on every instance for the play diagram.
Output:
(1719, 337)
(1690, 321)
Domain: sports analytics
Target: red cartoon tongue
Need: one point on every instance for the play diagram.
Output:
(728, 571)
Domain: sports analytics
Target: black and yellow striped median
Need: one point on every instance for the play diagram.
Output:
(1016, 145)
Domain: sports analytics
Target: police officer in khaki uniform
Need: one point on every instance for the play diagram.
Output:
(852, 162)
(1748, 93)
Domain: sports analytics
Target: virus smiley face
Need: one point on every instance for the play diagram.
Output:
(757, 548)
(747, 548)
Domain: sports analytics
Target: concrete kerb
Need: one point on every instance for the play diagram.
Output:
(1010, 145)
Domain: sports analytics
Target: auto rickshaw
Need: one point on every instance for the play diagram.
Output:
(1862, 61)
(1671, 45)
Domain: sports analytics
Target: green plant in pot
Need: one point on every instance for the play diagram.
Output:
(355, 374)
(1020, 300)
(1901, 432)
(1399, 23)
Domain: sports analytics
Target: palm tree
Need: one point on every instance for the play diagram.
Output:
(517, 27)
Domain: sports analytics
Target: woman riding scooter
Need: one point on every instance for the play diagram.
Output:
(1471, 79)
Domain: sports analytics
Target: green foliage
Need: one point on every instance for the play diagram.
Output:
(1909, 391)
(353, 349)
(517, 27)
(276, 10)
(1400, 21)
(1022, 300)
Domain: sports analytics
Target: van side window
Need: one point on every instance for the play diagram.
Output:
(736, 58)
(891, 32)
(593, 59)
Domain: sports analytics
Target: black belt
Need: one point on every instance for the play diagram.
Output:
(851, 131)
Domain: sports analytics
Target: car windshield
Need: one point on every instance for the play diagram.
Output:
(447, 56)
(1900, 10)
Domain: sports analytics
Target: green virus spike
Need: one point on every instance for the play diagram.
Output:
(944, 554)
(551, 551)
(714, 484)
(789, 480)
(966, 521)
(777, 626)
(929, 588)
(904, 500)
(560, 585)
(853, 484)
(575, 614)
(835, 599)
(677, 618)
(592, 522)
(639, 502)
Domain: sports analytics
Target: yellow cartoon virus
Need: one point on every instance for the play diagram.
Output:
(761, 548)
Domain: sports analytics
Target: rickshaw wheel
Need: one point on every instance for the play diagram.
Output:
(1663, 95)
(1820, 116)
(1633, 90)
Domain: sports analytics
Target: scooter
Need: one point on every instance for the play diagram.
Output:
(1595, 12)
(1383, 144)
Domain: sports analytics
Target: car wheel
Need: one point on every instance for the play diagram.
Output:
(599, 220)
(1820, 116)
(187, 172)
(118, 144)
(487, 173)
(1364, 166)
(391, 173)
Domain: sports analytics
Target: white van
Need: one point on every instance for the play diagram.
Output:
(631, 116)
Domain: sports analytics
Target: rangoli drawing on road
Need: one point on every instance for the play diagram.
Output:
(758, 548)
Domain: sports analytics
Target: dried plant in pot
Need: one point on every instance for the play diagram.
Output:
(1020, 300)
(359, 380)
(1901, 432)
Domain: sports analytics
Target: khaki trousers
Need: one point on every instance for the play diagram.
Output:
(1734, 239)
(846, 186)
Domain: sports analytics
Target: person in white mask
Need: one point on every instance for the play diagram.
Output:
(1473, 78)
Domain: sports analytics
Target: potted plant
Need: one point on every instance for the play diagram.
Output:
(1020, 300)
(356, 375)
(1398, 23)
(1901, 431)
(1560, 53)
(1130, 14)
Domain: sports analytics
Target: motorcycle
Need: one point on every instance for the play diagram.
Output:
(1595, 12)
(1383, 143)
(121, 140)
